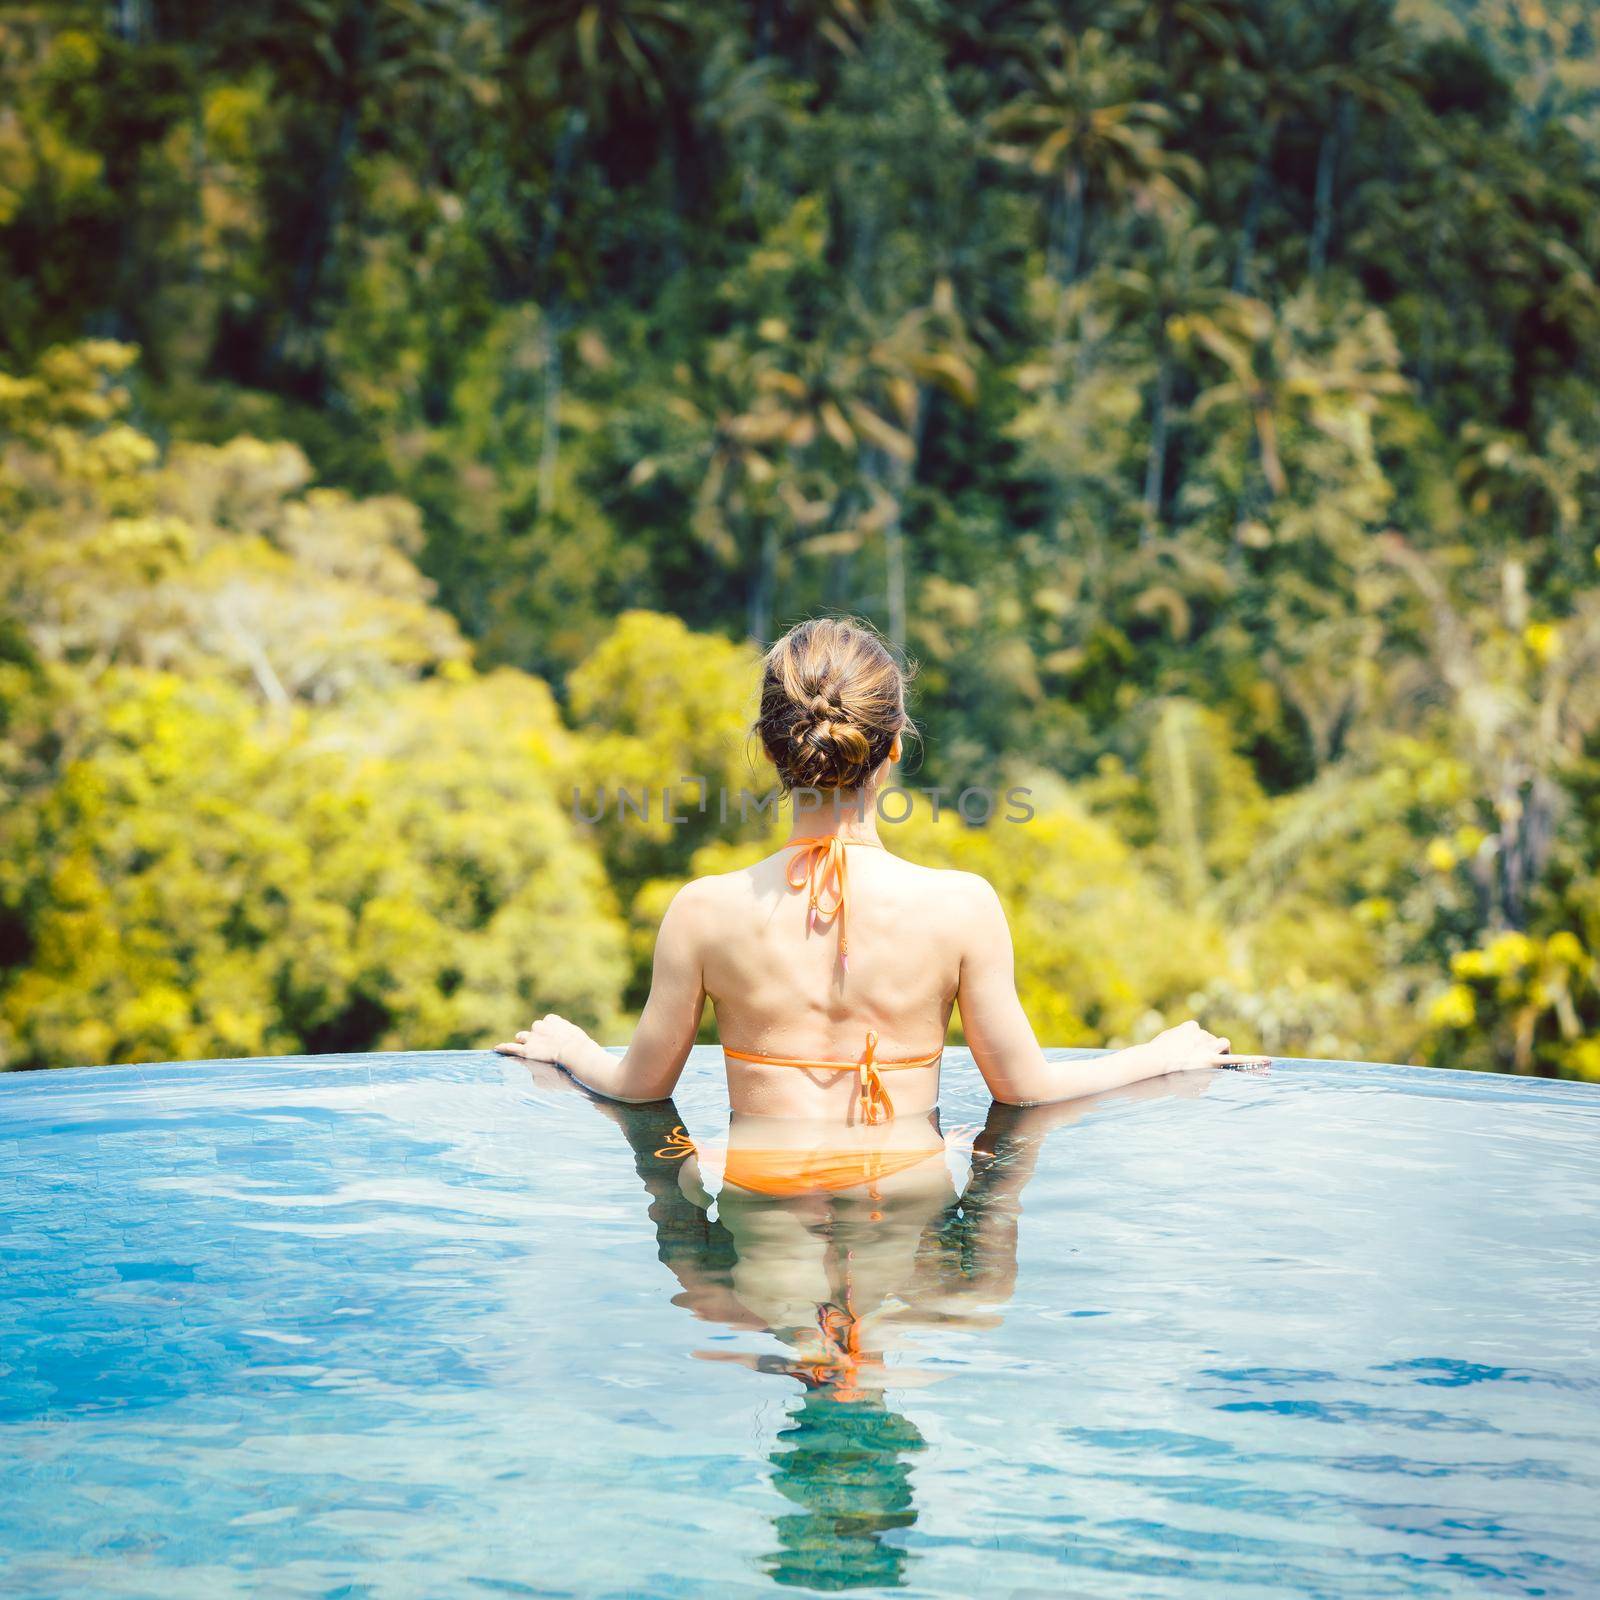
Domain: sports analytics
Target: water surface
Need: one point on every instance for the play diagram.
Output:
(435, 1325)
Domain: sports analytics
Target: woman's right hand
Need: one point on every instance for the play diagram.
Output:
(1189, 1048)
(552, 1038)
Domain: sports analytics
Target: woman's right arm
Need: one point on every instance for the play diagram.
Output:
(650, 1067)
(1002, 1039)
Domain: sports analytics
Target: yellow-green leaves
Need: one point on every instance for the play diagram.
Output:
(284, 812)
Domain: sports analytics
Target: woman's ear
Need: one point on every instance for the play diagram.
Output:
(894, 749)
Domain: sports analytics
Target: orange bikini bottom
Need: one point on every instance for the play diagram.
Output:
(790, 1172)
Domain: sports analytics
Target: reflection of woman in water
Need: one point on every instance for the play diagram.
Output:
(835, 968)
(843, 1274)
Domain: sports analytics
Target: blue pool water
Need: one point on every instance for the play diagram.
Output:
(433, 1325)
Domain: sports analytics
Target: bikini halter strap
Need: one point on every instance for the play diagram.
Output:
(818, 861)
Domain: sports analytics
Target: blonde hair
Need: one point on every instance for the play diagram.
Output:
(832, 700)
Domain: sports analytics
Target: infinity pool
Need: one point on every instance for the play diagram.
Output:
(435, 1325)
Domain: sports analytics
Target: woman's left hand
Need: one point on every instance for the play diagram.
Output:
(551, 1038)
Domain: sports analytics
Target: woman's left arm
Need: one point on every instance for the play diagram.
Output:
(653, 1062)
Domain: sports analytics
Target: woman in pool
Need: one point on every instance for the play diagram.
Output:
(834, 965)
(855, 1288)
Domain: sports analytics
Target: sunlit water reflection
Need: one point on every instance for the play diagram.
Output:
(434, 1325)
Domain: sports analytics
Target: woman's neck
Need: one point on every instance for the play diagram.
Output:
(852, 819)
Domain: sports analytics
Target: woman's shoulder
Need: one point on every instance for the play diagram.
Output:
(965, 893)
(954, 882)
(709, 889)
(713, 890)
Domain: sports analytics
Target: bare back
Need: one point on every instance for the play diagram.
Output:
(779, 989)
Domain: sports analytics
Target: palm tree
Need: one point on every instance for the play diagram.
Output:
(821, 440)
(1080, 126)
(604, 56)
(1369, 67)
(1524, 700)
(1284, 76)
(1180, 276)
(740, 111)
(362, 65)
(1534, 493)
(1211, 30)
(839, 24)
(827, 409)
(781, 434)
(748, 436)
(598, 59)
(928, 350)
(1298, 367)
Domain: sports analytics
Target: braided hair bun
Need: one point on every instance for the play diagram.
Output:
(832, 701)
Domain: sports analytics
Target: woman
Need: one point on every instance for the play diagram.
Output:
(834, 965)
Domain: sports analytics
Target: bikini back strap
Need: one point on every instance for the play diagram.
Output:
(876, 1105)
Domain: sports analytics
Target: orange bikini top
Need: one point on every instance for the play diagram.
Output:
(876, 1106)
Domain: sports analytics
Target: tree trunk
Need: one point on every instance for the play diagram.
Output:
(1333, 140)
(1428, 323)
(1514, 592)
(1252, 207)
(319, 237)
(129, 20)
(1155, 469)
(1163, 39)
(1071, 249)
(894, 561)
(1178, 805)
(551, 323)
(1321, 220)
(1507, 909)
(573, 124)
(550, 434)
(318, 244)
(121, 317)
(764, 585)
(900, 475)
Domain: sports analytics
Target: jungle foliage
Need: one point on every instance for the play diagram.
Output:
(414, 411)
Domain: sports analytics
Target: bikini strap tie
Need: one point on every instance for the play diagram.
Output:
(817, 860)
(678, 1145)
(876, 1106)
